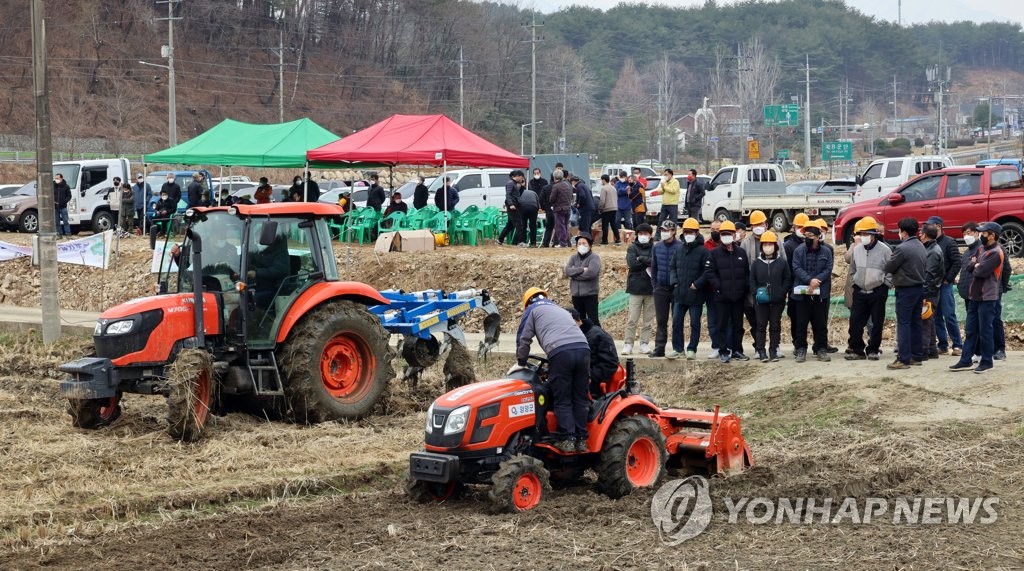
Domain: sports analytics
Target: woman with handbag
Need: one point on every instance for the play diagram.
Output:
(770, 280)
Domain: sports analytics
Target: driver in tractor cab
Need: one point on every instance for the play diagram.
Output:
(268, 267)
(568, 356)
(220, 250)
(604, 358)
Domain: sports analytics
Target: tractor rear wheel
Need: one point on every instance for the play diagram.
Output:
(336, 363)
(428, 492)
(633, 456)
(94, 413)
(519, 484)
(192, 388)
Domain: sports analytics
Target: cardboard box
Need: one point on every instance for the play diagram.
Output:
(404, 241)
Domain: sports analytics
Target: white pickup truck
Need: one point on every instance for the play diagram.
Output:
(736, 191)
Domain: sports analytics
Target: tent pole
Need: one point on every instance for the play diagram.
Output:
(145, 199)
(305, 181)
(391, 178)
(221, 184)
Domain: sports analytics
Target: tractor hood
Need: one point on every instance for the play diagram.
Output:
(145, 330)
(483, 393)
(169, 303)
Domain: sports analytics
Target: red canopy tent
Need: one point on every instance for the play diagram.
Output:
(429, 140)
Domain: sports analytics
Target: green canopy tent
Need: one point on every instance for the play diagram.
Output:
(233, 143)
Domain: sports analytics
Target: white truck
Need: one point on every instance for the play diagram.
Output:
(736, 191)
(885, 175)
(90, 181)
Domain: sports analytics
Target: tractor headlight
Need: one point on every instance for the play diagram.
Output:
(97, 329)
(121, 327)
(430, 419)
(457, 420)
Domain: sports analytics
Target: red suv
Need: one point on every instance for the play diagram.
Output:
(957, 195)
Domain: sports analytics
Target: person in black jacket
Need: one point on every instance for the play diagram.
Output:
(728, 272)
(195, 191)
(907, 266)
(172, 189)
(771, 272)
(640, 289)
(688, 284)
(447, 196)
(162, 213)
(947, 328)
(604, 359)
(694, 196)
(375, 196)
(584, 203)
(61, 198)
(934, 274)
(420, 194)
(514, 225)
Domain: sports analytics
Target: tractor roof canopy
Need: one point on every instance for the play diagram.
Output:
(281, 209)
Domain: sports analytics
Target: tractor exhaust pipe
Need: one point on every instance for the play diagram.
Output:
(630, 376)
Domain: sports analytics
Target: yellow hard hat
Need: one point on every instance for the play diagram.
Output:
(757, 217)
(727, 226)
(866, 224)
(691, 224)
(801, 219)
(927, 310)
(820, 223)
(769, 237)
(532, 293)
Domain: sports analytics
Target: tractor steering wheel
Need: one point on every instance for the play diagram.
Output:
(541, 362)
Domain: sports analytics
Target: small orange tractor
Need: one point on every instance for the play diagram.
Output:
(494, 433)
(250, 308)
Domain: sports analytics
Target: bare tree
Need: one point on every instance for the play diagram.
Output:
(757, 76)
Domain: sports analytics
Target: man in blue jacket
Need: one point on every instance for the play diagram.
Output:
(661, 275)
(812, 268)
(984, 291)
(625, 205)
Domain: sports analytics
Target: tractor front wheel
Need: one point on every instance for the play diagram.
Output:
(192, 386)
(519, 484)
(336, 363)
(633, 456)
(94, 413)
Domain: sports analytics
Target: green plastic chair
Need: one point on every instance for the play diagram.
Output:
(362, 228)
(396, 219)
(470, 228)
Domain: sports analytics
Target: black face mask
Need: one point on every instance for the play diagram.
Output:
(809, 242)
(716, 236)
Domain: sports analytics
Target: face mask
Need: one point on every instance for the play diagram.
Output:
(758, 230)
(715, 236)
(667, 237)
(622, 180)
(170, 180)
(799, 233)
(536, 177)
(809, 241)
(163, 197)
(969, 239)
(768, 249)
(689, 238)
(583, 250)
(643, 239)
(727, 239)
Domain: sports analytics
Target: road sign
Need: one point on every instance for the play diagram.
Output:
(783, 153)
(753, 150)
(837, 151)
(782, 115)
(713, 139)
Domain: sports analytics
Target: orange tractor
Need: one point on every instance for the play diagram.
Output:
(494, 433)
(250, 309)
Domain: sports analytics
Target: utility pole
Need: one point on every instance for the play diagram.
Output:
(988, 126)
(280, 76)
(895, 114)
(807, 112)
(461, 86)
(172, 111)
(533, 84)
(49, 288)
(565, 96)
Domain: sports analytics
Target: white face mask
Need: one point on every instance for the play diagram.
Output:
(536, 176)
(583, 250)
(643, 239)
(727, 239)
(689, 238)
(758, 230)
(768, 249)
(969, 239)
(667, 237)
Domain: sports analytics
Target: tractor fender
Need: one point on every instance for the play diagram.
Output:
(319, 293)
(632, 405)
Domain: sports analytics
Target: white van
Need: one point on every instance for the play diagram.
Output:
(885, 175)
(613, 170)
(482, 187)
(91, 181)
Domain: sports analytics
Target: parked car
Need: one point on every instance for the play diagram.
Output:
(613, 170)
(885, 175)
(8, 189)
(358, 198)
(843, 185)
(957, 195)
(482, 187)
(803, 187)
(157, 179)
(20, 210)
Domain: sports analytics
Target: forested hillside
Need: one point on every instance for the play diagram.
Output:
(609, 77)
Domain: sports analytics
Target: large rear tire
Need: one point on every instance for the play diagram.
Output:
(192, 386)
(94, 413)
(336, 363)
(519, 484)
(633, 456)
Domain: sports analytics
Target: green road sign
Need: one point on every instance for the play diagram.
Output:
(782, 115)
(837, 151)
(783, 153)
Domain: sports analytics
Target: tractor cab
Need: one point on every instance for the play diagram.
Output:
(256, 266)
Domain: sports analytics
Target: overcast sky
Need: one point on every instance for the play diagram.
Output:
(914, 11)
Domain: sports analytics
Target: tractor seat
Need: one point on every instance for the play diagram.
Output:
(612, 385)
